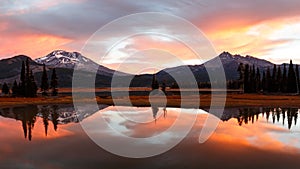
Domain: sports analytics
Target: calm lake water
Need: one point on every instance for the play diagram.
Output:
(51, 137)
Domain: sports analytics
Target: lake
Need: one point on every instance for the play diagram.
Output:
(58, 137)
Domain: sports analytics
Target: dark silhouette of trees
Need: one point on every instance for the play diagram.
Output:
(268, 80)
(278, 79)
(32, 87)
(54, 83)
(252, 80)
(272, 81)
(297, 78)
(15, 89)
(241, 70)
(163, 87)
(246, 79)
(22, 80)
(27, 86)
(258, 81)
(264, 82)
(247, 115)
(154, 84)
(291, 81)
(5, 89)
(273, 85)
(284, 79)
(44, 81)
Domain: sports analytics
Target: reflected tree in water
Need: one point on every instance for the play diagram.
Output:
(45, 114)
(54, 116)
(155, 111)
(247, 115)
(28, 117)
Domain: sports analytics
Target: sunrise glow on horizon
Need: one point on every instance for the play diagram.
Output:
(36, 28)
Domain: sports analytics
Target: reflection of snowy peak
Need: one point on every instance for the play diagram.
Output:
(68, 114)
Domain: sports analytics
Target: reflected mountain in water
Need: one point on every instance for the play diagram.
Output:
(57, 115)
(63, 114)
(285, 116)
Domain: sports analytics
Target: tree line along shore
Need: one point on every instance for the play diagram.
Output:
(251, 80)
(27, 86)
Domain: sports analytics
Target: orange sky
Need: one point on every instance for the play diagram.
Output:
(260, 29)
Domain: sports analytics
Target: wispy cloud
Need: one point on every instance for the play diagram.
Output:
(261, 28)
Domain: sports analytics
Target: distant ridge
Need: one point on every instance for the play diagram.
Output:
(65, 61)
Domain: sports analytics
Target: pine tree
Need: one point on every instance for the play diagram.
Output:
(27, 80)
(5, 89)
(274, 80)
(279, 79)
(297, 78)
(252, 80)
(155, 84)
(241, 70)
(246, 79)
(258, 80)
(33, 86)
(268, 80)
(284, 79)
(15, 89)
(22, 80)
(292, 82)
(44, 81)
(54, 83)
(28, 87)
(264, 82)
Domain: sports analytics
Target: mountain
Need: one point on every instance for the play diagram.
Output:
(64, 62)
(10, 68)
(230, 64)
(64, 59)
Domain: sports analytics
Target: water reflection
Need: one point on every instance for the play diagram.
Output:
(54, 115)
(155, 112)
(57, 115)
(256, 141)
(251, 115)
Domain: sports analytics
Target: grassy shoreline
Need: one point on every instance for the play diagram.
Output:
(232, 100)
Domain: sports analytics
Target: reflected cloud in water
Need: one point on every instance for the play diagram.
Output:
(266, 128)
(260, 134)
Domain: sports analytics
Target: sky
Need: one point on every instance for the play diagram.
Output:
(268, 29)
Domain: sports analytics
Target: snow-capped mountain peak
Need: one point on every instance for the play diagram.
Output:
(64, 59)
(60, 58)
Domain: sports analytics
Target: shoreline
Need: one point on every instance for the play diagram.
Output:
(232, 100)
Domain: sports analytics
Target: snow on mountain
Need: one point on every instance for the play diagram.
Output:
(64, 59)
(250, 60)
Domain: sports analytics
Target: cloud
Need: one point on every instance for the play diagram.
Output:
(71, 23)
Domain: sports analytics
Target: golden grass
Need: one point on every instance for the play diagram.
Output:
(232, 100)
